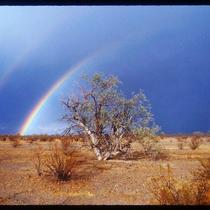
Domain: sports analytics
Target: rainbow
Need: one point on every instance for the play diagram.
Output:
(43, 100)
(27, 122)
(15, 66)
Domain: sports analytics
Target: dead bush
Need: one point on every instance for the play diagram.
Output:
(31, 140)
(195, 142)
(38, 160)
(150, 144)
(169, 190)
(65, 143)
(180, 144)
(4, 138)
(204, 170)
(16, 142)
(59, 164)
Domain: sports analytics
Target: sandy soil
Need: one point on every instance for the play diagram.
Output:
(94, 182)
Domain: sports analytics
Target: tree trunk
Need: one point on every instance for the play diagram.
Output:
(118, 143)
(93, 140)
(98, 153)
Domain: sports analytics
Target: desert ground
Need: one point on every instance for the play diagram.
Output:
(118, 181)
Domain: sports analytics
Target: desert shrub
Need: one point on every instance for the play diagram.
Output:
(43, 139)
(30, 141)
(208, 139)
(205, 139)
(15, 142)
(169, 190)
(201, 177)
(37, 160)
(204, 170)
(195, 142)
(150, 144)
(4, 138)
(65, 144)
(180, 144)
(59, 164)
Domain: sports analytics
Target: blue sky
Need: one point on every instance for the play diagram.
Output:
(164, 50)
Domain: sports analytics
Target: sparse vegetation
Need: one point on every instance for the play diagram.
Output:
(16, 142)
(120, 176)
(169, 190)
(195, 142)
(150, 143)
(180, 143)
(60, 165)
(65, 143)
(204, 171)
(38, 160)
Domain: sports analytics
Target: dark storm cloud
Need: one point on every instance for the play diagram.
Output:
(166, 53)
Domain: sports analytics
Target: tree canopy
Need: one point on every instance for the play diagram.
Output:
(105, 115)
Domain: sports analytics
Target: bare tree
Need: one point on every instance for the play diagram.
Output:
(101, 112)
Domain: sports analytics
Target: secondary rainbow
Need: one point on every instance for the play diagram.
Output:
(27, 52)
(15, 66)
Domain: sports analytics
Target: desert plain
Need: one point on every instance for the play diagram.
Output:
(117, 181)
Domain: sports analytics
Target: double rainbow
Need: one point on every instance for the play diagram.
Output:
(28, 120)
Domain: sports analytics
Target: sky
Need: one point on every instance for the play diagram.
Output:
(44, 51)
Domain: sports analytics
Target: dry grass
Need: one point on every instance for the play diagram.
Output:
(108, 182)
(181, 143)
(195, 142)
(169, 190)
(151, 146)
(204, 170)
(65, 144)
(16, 142)
(59, 164)
(38, 160)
